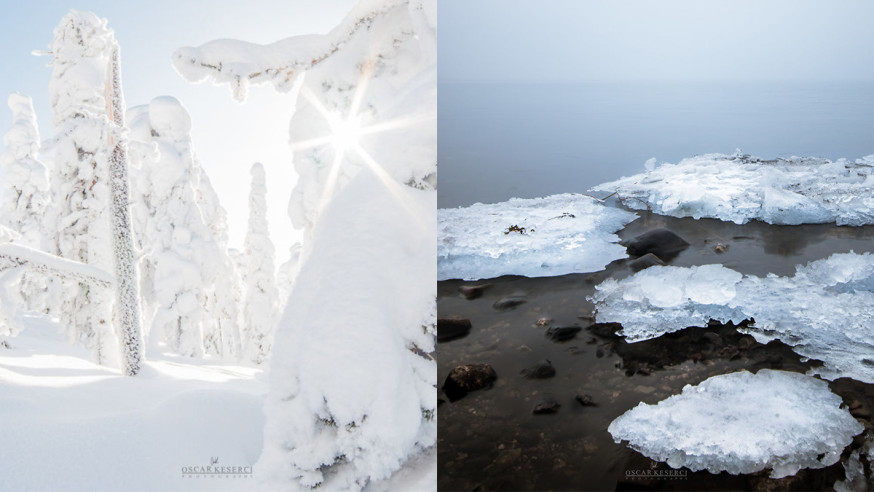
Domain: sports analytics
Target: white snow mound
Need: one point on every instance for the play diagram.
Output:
(556, 235)
(740, 188)
(823, 311)
(743, 423)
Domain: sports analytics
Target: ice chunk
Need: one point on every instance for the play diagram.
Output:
(743, 423)
(823, 311)
(740, 188)
(538, 237)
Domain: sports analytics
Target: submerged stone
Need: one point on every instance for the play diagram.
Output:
(662, 242)
(466, 378)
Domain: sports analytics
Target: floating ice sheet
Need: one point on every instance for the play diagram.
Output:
(539, 237)
(742, 423)
(740, 188)
(823, 311)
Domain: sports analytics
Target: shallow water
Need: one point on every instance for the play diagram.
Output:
(490, 440)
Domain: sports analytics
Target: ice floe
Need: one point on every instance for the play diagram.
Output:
(539, 237)
(742, 423)
(823, 311)
(740, 188)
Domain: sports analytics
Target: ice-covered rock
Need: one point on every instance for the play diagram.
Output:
(743, 423)
(823, 311)
(740, 188)
(539, 237)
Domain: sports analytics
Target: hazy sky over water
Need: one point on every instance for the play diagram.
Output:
(574, 40)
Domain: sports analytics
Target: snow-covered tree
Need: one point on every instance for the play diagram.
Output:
(287, 273)
(261, 304)
(352, 394)
(81, 56)
(25, 193)
(183, 263)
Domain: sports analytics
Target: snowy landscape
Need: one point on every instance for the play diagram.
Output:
(140, 350)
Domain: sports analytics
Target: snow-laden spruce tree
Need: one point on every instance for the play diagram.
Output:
(261, 311)
(81, 56)
(90, 188)
(353, 393)
(25, 194)
(24, 198)
(181, 259)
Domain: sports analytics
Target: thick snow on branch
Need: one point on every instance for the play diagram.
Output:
(743, 423)
(16, 254)
(540, 237)
(240, 63)
(823, 311)
(740, 188)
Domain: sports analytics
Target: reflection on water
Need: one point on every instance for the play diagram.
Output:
(491, 440)
(498, 141)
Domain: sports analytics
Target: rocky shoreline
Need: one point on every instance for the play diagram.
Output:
(558, 378)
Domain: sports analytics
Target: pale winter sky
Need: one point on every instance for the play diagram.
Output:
(585, 40)
(228, 137)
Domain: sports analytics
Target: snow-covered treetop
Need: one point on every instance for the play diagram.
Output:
(22, 139)
(240, 63)
(81, 51)
(168, 118)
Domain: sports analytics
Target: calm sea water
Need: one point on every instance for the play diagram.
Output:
(498, 141)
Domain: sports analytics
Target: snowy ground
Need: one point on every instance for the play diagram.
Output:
(69, 424)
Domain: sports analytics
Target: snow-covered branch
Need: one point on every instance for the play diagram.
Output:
(12, 255)
(240, 63)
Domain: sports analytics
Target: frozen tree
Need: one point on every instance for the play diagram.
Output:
(25, 193)
(261, 305)
(288, 272)
(183, 263)
(82, 51)
(352, 392)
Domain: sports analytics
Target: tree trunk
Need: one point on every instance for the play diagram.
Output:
(127, 295)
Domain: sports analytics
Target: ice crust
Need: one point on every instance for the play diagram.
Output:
(740, 188)
(742, 423)
(823, 311)
(564, 234)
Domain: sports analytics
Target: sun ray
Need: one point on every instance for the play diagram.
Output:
(310, 143)
(333, 174)
(394, 188)
(398, 123)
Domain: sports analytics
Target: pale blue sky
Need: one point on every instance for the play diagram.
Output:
(228, 137)
(585, 40)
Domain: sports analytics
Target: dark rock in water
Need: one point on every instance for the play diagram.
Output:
(508, 303)
(586, 400)
(644, 262)
(547, 405)
(661, 242)
(473, 291)
(562, 333)
(466, 378)
(605, 330)
(440, 401)
(541, 370)
(451, 328)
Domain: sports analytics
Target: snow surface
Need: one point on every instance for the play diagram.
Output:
(740, 188)
(823, 311)
(69, 424)
(742, 423)
(562, 234)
